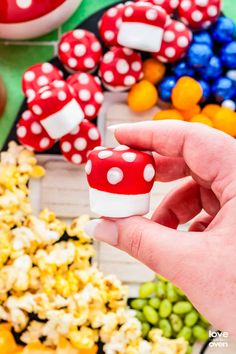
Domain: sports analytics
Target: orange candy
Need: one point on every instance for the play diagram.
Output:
(142, 96)
(225, 120)
(191, 112)
(210, 110)
(186, 93)
(7, 342)
(153, 70)
(201, 118)
(168, 114)
(37, 348)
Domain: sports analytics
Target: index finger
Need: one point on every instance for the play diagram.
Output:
(209, 154)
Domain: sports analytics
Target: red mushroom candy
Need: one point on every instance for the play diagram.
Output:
(142, 27)
(80, 50)
(76, 145)
(169, 5)
(88, 93)
(56, 109)
(120, 181)
(176, 40)
(120, 68)
(37, 76)
(199, 14)
(31, 134)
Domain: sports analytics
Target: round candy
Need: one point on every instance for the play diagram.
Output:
(210, 110)
(213, 70)
(199, 55)
(203, 37)
(110, 23)
(201, 118)
(153, 70)
(182, 68)
(187, 93)
(231, 74)
(142, 96)
(166, 86)
(168, 114)
(223, 89)
(225, 120)
(190, 113)
(229, 104)
(228, 55)
(223, 30)
(206, 90)
(169, 5)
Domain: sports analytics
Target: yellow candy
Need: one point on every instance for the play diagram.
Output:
(153, 70)
(225, 120)
(168, 114)
(201, 118)
(191, 112)
(210, 110)
(142, 96)
(37, 348)
(186, 93)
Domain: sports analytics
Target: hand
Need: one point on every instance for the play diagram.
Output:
(202, 261)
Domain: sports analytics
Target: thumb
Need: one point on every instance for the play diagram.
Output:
(166, 251)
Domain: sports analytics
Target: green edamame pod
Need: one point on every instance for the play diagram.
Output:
(138, 304)
(161, 290)
(182, 307)
(185, 333)
(161, 278)
(147, 289)
(200, 333)
(140, 316)
(176, 322)
(179, 291)
(191, 318)
(145, 328)
(165, 326)
(189, 350)
(150, 314)
(203, 324)
(203, 319)
(165, 308)
(172, 294)
(154, 302)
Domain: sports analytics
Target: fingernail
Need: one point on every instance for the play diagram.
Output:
(113, 127)
(102, 230)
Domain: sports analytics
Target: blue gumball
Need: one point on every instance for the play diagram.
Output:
(206, 88)
(213, 70)
(203, 37)
(182, 68)
(228, 55)
(223, 30)
(231, 74)
(223, 89)
(199, 55)
(166, 86)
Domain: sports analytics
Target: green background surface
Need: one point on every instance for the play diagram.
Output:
(15, 57)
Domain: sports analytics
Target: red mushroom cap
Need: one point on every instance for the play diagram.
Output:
(37, 76)
(80, 50)
(109, 25)
(76, 145)
(56, 108)
(120, 170)
(121, 68)
(88, 93)
(169, 5)
(199, 13)
(176, 40)
(31, 133)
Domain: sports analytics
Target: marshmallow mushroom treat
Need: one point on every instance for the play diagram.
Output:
(109, 25)
(199, 14)
(88, 93)
(169, 5)
(142, 27)
(31, 134)
(56, 109)
(76, 145)
(120, 181)
(120, 68)
(37, 76)
(79, 50)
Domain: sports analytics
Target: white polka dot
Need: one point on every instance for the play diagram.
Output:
(42, 80)
(169, 36)
(29, 76)
(185, 5)
(127, 51)
(75, 131)
(36, 128)
(24, 4)
(66, 146)
(108, 57)
(206, 24)
(72, 62)
(65, 47)
(21, 132)
(99, 148)
(46, 94)
(97, 80)
(115, 175)
(79, 50)
(58, 84)
(112, 12)
(62, 96)
(201, 3)
(136, 66)
(99, 97)
(44, 88)
(76, 158)
(93, 134)
(121, 148)
(170, 52)
(109, 35)
(118, 23)
(129, 156)
(179, 27)
(174, 4)
(83, 79)
(159, 2)
(184, 20)
(89, 110)
(151, 15)
(148, 173)
(84, 95)
(197, 16)
(89, 63)
(44, 143)
(108, 76)
(104, 154)
(212, 11)
(182, 42)
(88, 167)
(26, 115)
(122, 66)
(47, 68)
(80, 144)
(129, 80)
(37, 110)
(30, 93)
(129, 11)
(78, 34)
(96, 46)
(162, 59)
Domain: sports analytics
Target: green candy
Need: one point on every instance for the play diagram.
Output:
(150, 314)
(161, 278)
(189, 350)
(185, 333)
(147, 290)
(165, 326)
(191, 318)
(145, 328)
(171, 292)
(176, 322)
(165, 308)
(200, 333)
(161, 290)
(203, 319)
(180, 292)
(140, 316)
(155, 303)
(182, 307)
(138, 304)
